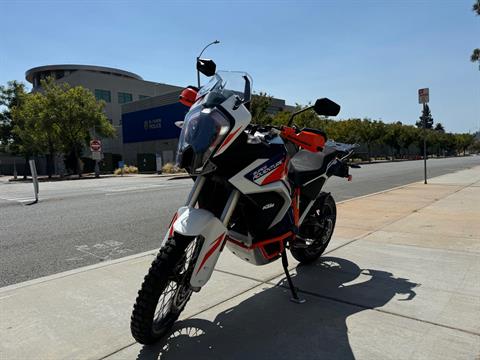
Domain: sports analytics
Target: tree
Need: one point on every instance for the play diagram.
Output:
(308, 119)
(475, 55)
(28, 138)
(426, 117)
(439, 127)
(476, 52)
(58, 120)
(392, 137)
(408, 136)
(370, 133)
(259, 108)
(10, 97)
(70, 114)
(464, 141)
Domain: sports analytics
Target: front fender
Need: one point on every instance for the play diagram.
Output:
(191, 221)
(199, 222)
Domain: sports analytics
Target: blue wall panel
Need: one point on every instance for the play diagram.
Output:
(153, 124)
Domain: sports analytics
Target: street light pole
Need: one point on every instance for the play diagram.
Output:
(198, 57)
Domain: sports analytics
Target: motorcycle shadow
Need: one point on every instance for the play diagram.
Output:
(269, 326)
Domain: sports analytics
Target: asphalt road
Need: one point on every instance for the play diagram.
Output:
(82, 222)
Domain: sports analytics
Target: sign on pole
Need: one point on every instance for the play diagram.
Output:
(423, 96)
(96, 148)
(95, 145)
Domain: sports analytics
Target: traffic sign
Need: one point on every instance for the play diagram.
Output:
(423, 96)
(95, 145)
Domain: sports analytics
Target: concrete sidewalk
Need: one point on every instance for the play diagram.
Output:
(400, 280)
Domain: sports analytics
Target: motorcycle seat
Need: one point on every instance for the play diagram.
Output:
(306, 165)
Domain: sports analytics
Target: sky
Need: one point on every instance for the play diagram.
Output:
(369, 56)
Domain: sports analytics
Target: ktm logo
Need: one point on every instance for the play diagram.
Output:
(268, 206)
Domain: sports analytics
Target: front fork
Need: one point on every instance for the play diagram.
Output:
(229, 206)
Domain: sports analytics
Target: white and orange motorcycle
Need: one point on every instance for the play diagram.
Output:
(257, 191)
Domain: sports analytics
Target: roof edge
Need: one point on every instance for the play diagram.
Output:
(30, 72)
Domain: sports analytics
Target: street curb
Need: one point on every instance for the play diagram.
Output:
(135, 256)
(75, 271)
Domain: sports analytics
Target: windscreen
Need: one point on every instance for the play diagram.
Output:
(228, 83)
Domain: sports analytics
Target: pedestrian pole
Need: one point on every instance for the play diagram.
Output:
(97, 168)
(424, 98)
(14, 169)
(424, 145)
(33, 171)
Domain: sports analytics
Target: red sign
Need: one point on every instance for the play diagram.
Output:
(95, 145)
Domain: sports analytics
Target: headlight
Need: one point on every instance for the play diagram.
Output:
(202, 131)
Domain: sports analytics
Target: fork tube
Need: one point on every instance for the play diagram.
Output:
(195, 192)
(230, 206)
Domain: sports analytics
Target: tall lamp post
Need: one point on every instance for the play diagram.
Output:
(198, 57)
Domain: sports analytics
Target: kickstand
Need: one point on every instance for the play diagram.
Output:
(295, 297)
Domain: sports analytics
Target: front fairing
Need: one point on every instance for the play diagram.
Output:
(203, 130)
(213, 122)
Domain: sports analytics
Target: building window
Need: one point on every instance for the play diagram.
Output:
(124, 97)
(104, 95)
(141, 97)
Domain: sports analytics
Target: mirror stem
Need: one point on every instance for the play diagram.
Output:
(198, 74)
(297, 113)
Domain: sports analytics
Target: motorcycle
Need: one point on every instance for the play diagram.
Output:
(257, 191)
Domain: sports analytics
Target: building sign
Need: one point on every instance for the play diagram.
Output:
(156, 123)
(152, 124)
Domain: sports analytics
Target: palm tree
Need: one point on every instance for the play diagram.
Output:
(475, 55)
(476, 52)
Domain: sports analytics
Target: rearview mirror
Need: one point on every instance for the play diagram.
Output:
(326, 107)
(206, 66)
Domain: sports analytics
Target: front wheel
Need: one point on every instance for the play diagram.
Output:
(316, 230)
(165, 290)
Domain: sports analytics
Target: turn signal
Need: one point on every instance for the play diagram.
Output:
(188, 96)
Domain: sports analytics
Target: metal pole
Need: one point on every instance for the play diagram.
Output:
(33, 171)
(198, 57)
(424, 144)
(97, 168)
(198, 74)
(14, 169)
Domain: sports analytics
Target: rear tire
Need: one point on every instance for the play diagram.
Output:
(317, 230)
(165, 290)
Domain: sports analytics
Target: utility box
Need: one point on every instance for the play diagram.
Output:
(147, 163)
